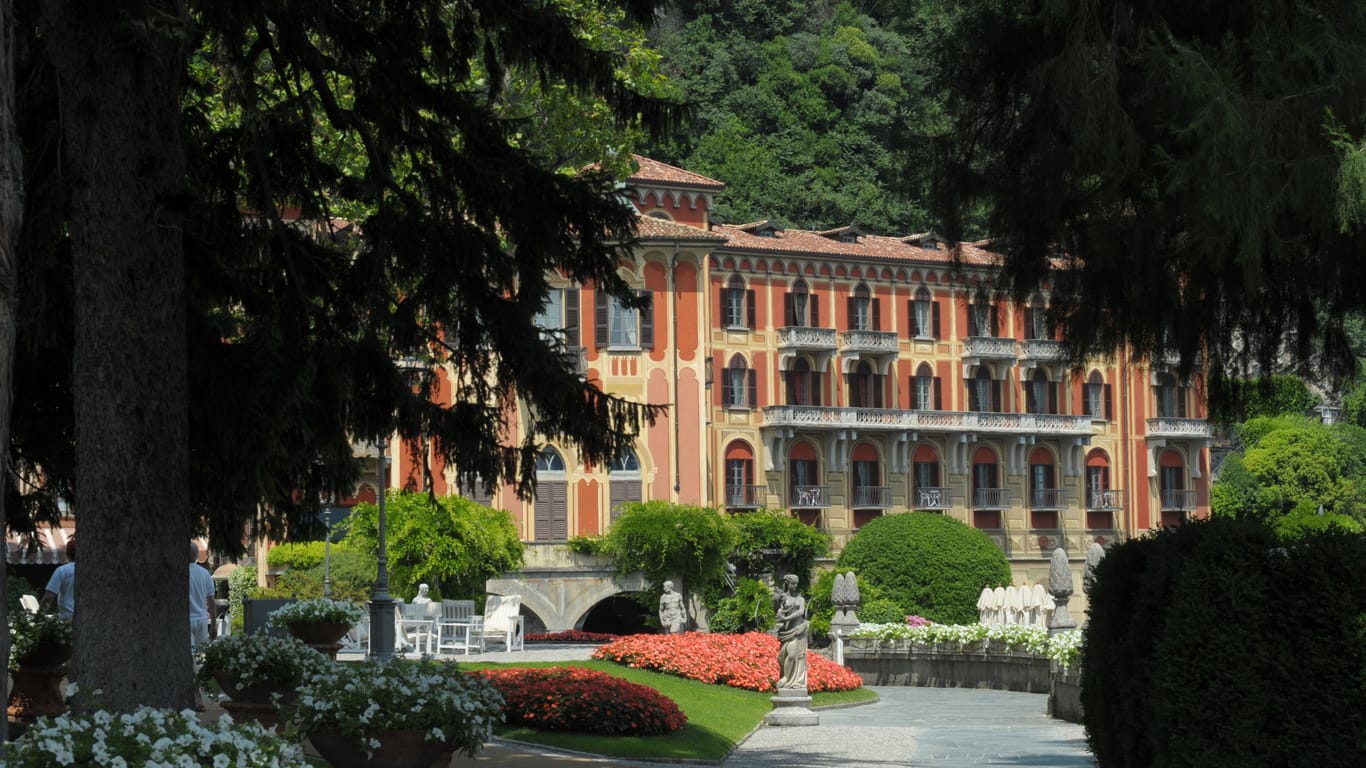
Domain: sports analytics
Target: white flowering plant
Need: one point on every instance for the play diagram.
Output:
(1015, 637)
(261, 659)
(31, 631)
(360, 701)
(318, 610)
(1064, 648)
(151, 738)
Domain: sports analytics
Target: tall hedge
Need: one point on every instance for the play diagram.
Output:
(1217, 646)
(930, 565)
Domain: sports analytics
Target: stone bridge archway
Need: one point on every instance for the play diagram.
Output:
(560, 587)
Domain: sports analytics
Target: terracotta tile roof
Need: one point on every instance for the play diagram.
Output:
(651, 228)
(796, 242)
(655, 172)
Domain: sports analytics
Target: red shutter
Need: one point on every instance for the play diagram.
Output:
(600, 318)
(647, 322)
(571, 317)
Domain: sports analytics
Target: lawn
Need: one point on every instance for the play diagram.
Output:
(718, 716)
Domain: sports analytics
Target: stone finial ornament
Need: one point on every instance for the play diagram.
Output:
(844, 595)
(1088, 574)
(1060, 587)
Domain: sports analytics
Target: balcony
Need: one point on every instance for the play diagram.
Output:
(928, 422)
(989, 348)
(1042, 350)
(809, 497)
(1047, 499)
(931, 498)
(1177, 500)
(746, 496)
(576, 358)
(990, 498)
(1178, 428)
(872, 497)
(869, 342)
(800, 337)
(1107, 500)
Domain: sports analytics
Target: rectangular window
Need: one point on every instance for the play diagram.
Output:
(624, 324)
(922, 319)
(924, 393)
(736, 379)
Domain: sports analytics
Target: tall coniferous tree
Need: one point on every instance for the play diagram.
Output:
(1195, 169)
(232, 336)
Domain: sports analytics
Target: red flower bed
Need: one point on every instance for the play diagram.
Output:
(584, 701)
(569, 636)
(743, 661)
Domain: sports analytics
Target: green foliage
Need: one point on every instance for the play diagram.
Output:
(930, 565)
(1227, 140)
(1222, 611)
(454, 545)
(15, 588)
(1291, 467)
(350, 574)
(241, 585)
(881, 611)
(823, 610)
(301, 555)
(762, 531)
(670, 541)
(1266, 396)
(750, 609)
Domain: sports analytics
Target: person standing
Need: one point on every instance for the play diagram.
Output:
(203, 607)
(673, 618)
(61, 588)
(792, 634)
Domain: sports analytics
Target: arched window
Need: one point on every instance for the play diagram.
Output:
(1034, 318)
(981, 316)
(741, 492)
(924, 315)
(925, 390)
(800, 306)
(739, 384)
(1177, 502)
(1171, 397)
(1096, 402)
(806, 491)
(988, 497)
(1044, 497)
(624, 481)
(929, 492)
(551, 521)
(803, 384)
(984, 393)
(1040, 395)
(1101, 500)
(737, 304)
(863, 310)
(865, 387)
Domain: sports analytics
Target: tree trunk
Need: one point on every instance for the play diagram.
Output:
(11, 216)
(121, 73)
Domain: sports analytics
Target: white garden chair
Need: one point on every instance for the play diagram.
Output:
(503, 622)
(457, 629)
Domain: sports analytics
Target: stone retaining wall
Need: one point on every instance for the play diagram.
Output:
(1064, 701)
(949, 665)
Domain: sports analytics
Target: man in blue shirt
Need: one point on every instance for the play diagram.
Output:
(61, 588)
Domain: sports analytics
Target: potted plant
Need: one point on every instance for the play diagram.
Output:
(395, 713)
(259, 668)
(150, 736)
(39, 639)
(318, 621)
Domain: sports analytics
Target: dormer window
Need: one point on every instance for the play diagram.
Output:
(765, 228)
(849, 234)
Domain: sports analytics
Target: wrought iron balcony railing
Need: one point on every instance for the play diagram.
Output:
(809, 497)
(1177, 500)
(872, 497)
(1046, 498)
(931, 498)
(990, 498)
(746, 496)
(1108, 499)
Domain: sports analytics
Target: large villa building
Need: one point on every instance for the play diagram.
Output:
(841, 376)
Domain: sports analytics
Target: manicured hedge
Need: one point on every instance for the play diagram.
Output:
(1216, 645)
(929, 565)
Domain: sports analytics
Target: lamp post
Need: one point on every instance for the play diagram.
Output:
(381, 604)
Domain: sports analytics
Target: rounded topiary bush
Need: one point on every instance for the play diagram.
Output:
(929, 565)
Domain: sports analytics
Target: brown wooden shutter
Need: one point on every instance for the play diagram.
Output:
(877, 314)
(816, 388)
(934, 317)
(571, 317)
(1053, 390)
(1108, 416)
(938, 395)
(995, 322)
(723, 373)
(878, 386)
(647, 322)
(815, 303)
(996, 395)
(789, 314)
(749, 308)
(753, 401)
(911, 328)
(600, 318)
(849, 313)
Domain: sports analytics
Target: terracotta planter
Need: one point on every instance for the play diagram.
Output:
(46, 655)
(318, 634)
(397, 749)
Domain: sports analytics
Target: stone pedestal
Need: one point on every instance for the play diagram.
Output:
(792, 706)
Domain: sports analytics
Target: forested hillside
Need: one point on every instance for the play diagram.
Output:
(814, 114)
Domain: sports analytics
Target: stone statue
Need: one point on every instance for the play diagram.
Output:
(792, 634)
(1088, 575)
(673, 618)
(1060, 587)
(844, 595)
(422, 597)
